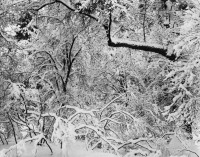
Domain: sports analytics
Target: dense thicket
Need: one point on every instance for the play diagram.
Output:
(122, 74)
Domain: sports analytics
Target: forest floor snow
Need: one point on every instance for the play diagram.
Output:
(76, 149)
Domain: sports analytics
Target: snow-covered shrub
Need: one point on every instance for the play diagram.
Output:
(63, 131)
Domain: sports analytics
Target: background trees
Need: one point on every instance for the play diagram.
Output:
(121, 73)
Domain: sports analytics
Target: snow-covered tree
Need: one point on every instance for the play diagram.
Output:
(122, 74)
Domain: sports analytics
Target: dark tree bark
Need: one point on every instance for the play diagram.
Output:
(155, 48)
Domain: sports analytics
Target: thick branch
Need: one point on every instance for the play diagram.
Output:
(141, 46)
(69, 66)
(155, 48)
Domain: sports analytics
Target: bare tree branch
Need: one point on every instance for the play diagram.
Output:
(155, 48)
(111, 103)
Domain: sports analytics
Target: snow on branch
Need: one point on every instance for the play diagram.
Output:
(135, 141)
(70, 7)
(78, 111)
(117, 140)
(129, 115)
(50, 56)
(99, 133)
(111, 103)
(113, 42)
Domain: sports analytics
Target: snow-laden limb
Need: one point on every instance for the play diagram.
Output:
(78, 111)
(118, 112)
(181, 86)
(156, 48)
(129, 115)
(135, 141)
(116, 140)
(111, 102)
(168, 133)
(99, 133)
(95, 145)
(113, 42)
(67, 4)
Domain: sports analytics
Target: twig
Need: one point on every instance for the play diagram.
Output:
(110, 103)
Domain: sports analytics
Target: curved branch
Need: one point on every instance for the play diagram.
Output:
(80, 12)
(110, 103)
(190, 152)
(98, 132)
(135, 141)
(156, 48)
(42, 6)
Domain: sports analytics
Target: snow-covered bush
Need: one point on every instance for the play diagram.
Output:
(63, 131)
